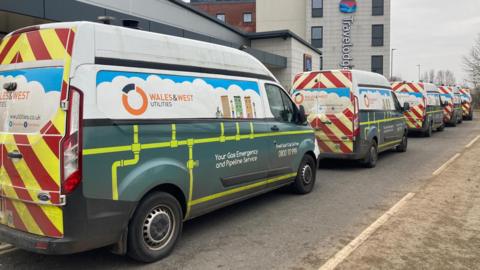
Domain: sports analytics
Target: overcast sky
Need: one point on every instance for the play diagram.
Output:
(433, 33)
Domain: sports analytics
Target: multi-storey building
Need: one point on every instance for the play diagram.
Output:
(350, 34)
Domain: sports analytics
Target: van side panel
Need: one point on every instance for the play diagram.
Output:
(31, 186)
(334, 129)
(204, 134)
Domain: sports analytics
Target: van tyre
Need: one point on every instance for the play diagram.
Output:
(154, 228)
(428, 132)
(441, 128)
(370, 160)
(306, 176)
(402, 147)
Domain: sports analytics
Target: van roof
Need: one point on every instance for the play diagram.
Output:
(369, 78)
(359, 77)
(137, 45)
(429, 87)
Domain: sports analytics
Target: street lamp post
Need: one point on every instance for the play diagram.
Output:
(391, 63)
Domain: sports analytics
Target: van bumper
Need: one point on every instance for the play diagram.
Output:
(88, 224)
(38, 244)
(350, 156)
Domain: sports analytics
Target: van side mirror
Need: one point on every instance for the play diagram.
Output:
(301, 117)
(406, 106)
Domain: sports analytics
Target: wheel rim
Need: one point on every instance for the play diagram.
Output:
(158, 227)
(307, 174)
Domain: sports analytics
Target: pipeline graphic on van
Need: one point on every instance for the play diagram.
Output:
(446, 95)
(412, 93)
(32, 125)
(330, 107)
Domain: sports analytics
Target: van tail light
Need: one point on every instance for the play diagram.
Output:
(71, 147)
(356, 120)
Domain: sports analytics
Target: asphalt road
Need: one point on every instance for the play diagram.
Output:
(280, 230)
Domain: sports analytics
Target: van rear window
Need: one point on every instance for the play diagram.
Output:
(31, 100)
(413, 98)
(323, 101)
(376, 99)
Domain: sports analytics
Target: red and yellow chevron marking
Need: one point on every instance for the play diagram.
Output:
(449, 109)
(334, 132)
(466, 108)
(38, 172)
(408, 87)
(323, 79)
(416, 115)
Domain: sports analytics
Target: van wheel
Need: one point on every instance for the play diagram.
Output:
(428, 132)
(154, 228)
(441, 128)
(306, 176)
(403, 146)
(370, 160)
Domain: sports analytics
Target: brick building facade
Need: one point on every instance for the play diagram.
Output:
(238, 13)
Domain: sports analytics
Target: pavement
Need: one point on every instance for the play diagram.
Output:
(280, 230)
(439, 228)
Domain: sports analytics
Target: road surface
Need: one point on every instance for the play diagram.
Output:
(280, 230)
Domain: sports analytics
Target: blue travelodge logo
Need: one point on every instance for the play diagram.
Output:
(348, 6)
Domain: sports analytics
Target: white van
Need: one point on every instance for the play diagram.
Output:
(115, 136)
(355, 113)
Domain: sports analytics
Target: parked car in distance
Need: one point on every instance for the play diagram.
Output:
(354, 113)
(467, 103)
(114, 136)
(426, 112)
(450, 111)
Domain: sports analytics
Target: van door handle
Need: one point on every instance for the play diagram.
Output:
(15, 155)
(275, 128)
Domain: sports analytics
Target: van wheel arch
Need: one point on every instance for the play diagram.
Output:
(171, 189)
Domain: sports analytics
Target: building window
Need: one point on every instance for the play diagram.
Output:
(377, 35)
(377, 64)
(317, 8)
(317, 36)
(377, 7)
(221, 17)
(247, 17)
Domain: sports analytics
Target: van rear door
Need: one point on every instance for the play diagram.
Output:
(330, 106)
(414, 94)
(34, 74)
(446, 96)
